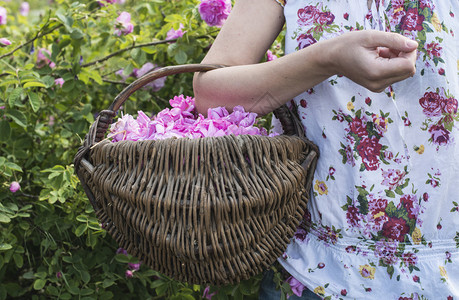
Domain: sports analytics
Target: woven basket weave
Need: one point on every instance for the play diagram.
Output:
(212, 210)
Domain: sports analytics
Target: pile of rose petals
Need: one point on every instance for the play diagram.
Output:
(181, 121)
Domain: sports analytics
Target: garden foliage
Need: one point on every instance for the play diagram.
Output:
(61, 62)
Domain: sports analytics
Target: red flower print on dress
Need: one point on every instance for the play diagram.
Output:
(307, 15)
(377, 206)
(305, 40)
(369, 150)
(387, 252)
(359, 127)
(353, 216)
(412, 21)
(426, 3)
(434, 49)
(303, 103)
(449, 106)
(410, 259)
(395, 229)
(440, 135)
(411, 206)
(431, 103)
(325, 18)
(301, 234)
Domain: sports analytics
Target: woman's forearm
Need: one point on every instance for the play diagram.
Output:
(372, 59)
(262, 87)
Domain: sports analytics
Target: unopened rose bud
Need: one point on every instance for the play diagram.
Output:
(14, 186)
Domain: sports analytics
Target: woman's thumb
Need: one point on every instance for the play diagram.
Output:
(393, 41)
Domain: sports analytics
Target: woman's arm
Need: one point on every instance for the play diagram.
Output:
(372, 59)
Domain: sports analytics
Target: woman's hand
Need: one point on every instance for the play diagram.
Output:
(373, 59)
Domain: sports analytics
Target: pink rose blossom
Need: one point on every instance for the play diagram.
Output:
(129, 274)
(14, 186)
(134, 266)
(121, 251)
(4, 42)
(215, 12)
(24, 9)
(43, 60)
(206, 294)
(156, 84)
(123, 25)
(174, 34)
(59, 81)
(297, 287)
(104, 2)
(120, 73)
(2, 15)
(270, 56)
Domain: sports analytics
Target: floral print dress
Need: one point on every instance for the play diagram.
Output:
(383, 220)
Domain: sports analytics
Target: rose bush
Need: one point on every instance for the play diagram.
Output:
(61, 62)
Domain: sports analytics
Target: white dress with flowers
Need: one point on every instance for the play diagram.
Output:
(383, 221)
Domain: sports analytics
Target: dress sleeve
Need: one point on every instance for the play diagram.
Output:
(281, 2)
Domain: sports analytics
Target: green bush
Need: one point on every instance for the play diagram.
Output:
(51, 244)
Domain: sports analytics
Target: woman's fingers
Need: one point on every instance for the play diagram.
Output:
(389, 40)
(403, 64)
(376, 59)
(387, 53)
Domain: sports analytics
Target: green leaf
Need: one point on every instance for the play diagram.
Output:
(39, 284)
(76, 34)
(13, 166)
(66, 20)
(122, 258)
(68, 86)
(18, 117)
(14, 95)
(81, 229)
(9, 82)
(181, 57)
(33, 84)
(52, 290)
(82, 218)
(5, 130)
(3, 292)
(4, 219)
(85, 277)
(34, 100)
(106, 295)
(18, 260)
(107, 283)
(4, 247)
(65, 296)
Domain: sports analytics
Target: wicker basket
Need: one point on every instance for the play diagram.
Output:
(213, 210)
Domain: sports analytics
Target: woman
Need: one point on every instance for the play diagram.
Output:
(376, 84)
